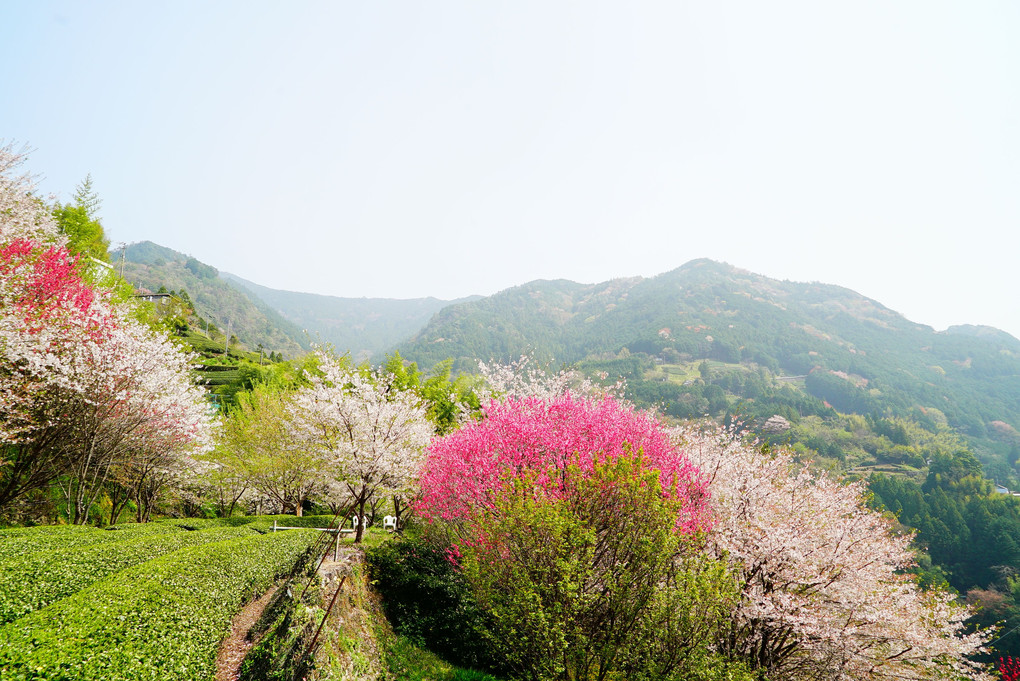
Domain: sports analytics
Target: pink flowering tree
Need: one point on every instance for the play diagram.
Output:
(577, 522)
(825, 592)
(81, 384)
(468, 468)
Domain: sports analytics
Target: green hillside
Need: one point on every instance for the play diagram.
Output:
(805, 351)
(152, 267)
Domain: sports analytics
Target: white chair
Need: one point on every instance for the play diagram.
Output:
(389, 522)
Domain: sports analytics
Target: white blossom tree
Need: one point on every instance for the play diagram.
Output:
(825, 593)
(372, 435)
(81, 384)
(138, 415)
(524, 378)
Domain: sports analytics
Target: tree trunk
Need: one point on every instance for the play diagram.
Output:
(361, 520)
(397, 510)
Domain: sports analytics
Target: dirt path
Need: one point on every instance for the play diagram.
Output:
(236, 645)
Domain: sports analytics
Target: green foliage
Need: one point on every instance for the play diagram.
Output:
(971, 535)
(161, 619)
(406, 661)
(85, 236)
(598, 583)
(23, 541)
(445, 397)
(427, 600)
(35, 580)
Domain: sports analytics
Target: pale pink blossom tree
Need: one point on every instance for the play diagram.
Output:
(80, 382)
(371, 435)
(825, 594)
(525, 377)
(138, 414)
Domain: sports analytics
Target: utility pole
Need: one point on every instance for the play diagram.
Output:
(123, 257)
(226, 341)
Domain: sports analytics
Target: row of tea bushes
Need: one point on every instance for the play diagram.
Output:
(31, 581)
(260, 523)
(162, 619)
(21, 541)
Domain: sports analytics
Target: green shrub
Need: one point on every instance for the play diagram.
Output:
(428, 602)
(163, 619)
(32, 581)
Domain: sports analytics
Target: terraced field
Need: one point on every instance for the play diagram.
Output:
(146, 601)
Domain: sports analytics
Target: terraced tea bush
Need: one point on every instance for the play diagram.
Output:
(32, 581)
(162, 620)
(23, 541)
(265, 522)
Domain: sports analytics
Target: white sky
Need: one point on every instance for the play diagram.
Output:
(409, 149)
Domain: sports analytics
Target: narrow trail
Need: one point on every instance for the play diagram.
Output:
(236, 645)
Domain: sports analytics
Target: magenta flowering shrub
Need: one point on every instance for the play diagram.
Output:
(468, 468)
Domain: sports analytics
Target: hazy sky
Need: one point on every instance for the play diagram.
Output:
(410, 149)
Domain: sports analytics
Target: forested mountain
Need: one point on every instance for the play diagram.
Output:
(708, 338)
(852, 380)
(285, 321)
(365, 327)
(150, 267)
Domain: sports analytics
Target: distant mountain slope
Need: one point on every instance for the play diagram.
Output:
(365, 327)
(701, 308)
(151, 266)
(862, 357)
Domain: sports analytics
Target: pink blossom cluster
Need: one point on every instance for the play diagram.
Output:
(467, 469)
(73, 361)
(1009, 669)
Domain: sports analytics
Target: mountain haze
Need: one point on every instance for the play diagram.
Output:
(365, 327)
(284, 321)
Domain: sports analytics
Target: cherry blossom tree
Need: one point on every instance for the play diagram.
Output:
(527, 378)
(23, 215)
(139, 411)
(80, 382)
(371, 434)
(826, 595)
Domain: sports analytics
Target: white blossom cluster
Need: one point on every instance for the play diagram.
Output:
(371, 436)
(82, 385)
(22, 214)
(825, 593)
(524, 378)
